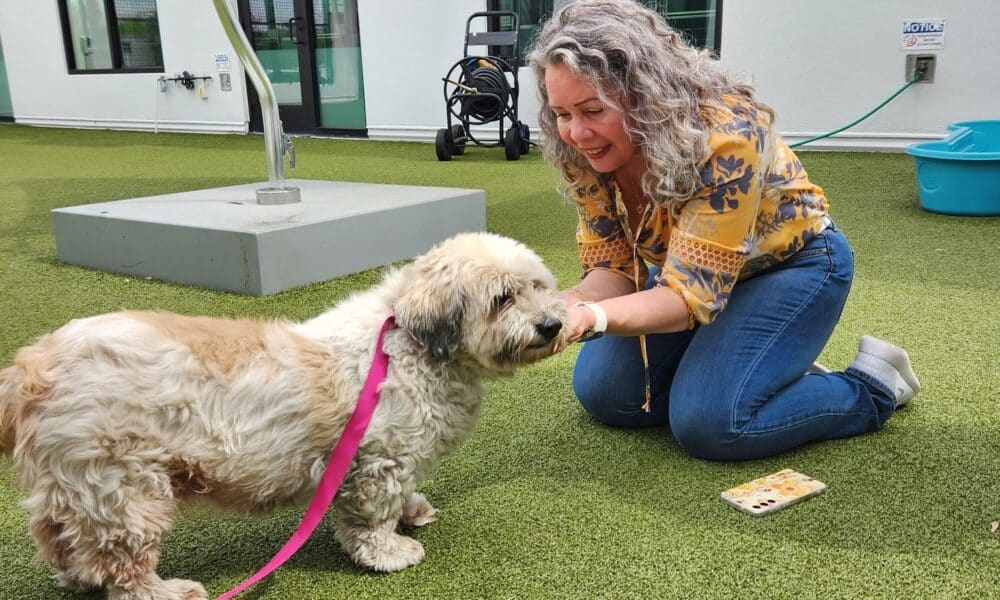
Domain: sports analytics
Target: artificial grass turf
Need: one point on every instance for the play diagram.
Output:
(541, 501)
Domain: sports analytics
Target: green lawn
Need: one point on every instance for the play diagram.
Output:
(542, 502)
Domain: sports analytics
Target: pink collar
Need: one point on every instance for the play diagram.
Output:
(336, 467)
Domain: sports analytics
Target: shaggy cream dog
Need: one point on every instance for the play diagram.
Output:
(113, 420)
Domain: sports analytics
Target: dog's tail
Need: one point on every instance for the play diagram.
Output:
(22, 385)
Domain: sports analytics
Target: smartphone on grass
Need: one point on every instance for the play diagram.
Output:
(773, 492)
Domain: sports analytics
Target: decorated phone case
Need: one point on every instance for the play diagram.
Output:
(773, 492)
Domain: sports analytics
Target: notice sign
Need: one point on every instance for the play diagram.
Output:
(923, 34)
(222, 62)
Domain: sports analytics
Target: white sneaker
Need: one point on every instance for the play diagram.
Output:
(887, 366)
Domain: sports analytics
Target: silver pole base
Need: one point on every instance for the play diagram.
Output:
(274, 195)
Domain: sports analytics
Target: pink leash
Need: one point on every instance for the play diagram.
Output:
(336, 468)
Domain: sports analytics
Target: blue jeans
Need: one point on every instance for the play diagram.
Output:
(736, 389)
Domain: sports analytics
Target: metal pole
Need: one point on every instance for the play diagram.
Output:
(275, 141)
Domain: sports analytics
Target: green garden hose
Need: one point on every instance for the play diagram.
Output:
(916, 78)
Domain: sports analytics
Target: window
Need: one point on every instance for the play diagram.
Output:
(111, 35)
(699, 20)
(531, 14)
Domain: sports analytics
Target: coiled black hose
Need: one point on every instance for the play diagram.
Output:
(486, 80)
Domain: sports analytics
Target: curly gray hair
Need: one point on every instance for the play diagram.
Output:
(641, 66)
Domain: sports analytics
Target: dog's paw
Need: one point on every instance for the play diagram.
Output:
(398, 553)
(182, 589)
(72, 584)
(170, 589)
(179, 589)
(418, 511)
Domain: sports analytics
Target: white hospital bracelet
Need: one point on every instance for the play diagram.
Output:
(600, 317)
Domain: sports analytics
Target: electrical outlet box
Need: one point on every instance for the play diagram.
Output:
(923, 64)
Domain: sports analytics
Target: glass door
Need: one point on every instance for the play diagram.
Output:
(338, 65)
(311, 52)
(280, 32)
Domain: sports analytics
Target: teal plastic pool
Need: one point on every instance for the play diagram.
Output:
(960, 175)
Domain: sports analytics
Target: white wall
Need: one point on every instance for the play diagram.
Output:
(44, 93)
(822, 65)
(407, 46)
(819, 64)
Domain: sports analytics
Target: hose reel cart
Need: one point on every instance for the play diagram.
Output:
(479, 90)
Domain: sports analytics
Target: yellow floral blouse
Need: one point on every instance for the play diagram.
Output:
(756, 208)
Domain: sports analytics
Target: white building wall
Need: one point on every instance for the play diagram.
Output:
(822, 65)
(407, 46)
(44, 93)
(819, 64)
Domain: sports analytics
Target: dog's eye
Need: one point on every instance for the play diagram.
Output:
(503, 301)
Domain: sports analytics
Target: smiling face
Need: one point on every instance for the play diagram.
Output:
(585, 123)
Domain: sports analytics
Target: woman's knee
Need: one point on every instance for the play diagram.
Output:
(703, 430)
(705, 445)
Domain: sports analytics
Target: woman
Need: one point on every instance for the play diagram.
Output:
(672, 163)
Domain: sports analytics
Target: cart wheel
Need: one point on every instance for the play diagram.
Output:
(457, 133)
(512, 144)
(525, 145)
(443, 144)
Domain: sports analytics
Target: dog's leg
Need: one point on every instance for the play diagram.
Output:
(102, 552)
(418, 511)
(371, 504)
(53, 549)
(100, 522)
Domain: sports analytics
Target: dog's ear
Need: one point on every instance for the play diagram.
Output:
(432, 307)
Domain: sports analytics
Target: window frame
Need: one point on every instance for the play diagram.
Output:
(717, 50)
(114, 40)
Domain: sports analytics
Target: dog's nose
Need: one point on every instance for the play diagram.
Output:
(548, 327)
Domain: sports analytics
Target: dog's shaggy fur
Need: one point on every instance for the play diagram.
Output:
(113, 420)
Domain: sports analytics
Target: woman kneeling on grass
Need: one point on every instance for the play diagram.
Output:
(672, 163)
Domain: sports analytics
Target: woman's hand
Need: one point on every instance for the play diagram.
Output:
(597, 285)
(656, 310)
(579, 320)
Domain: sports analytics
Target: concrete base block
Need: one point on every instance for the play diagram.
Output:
(222, 239)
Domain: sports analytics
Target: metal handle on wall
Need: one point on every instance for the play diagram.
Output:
(293, 30)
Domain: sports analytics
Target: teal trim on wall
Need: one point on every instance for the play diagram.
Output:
(6, 107)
